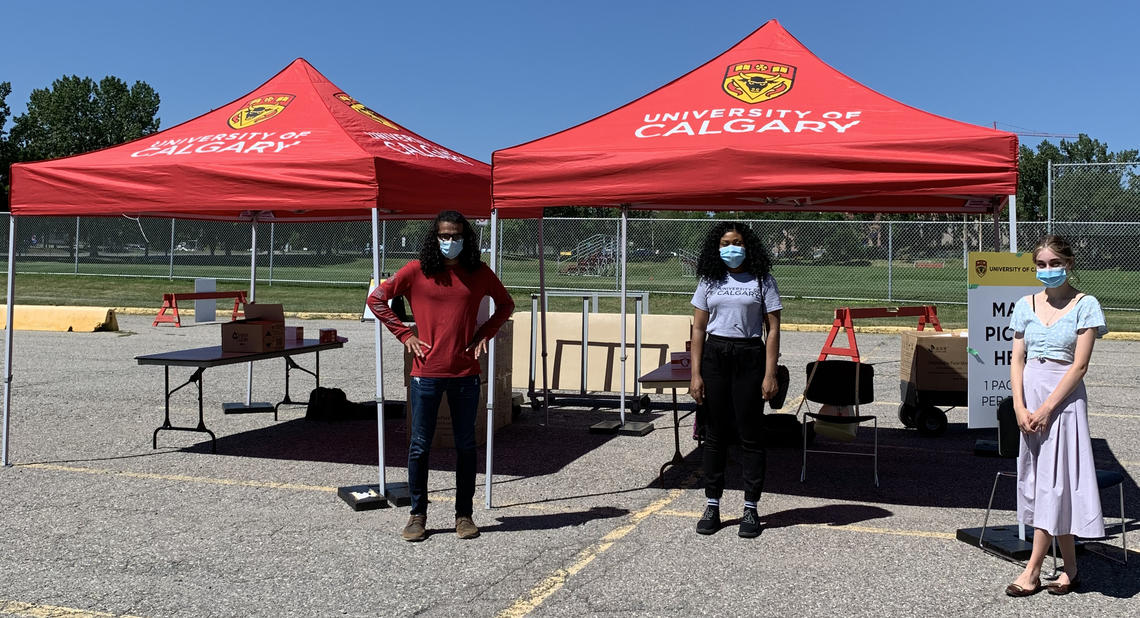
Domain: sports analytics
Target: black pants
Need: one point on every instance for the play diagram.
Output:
(733, 373)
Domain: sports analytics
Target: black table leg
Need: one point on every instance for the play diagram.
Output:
(195, 378)
(290, 364)
(677, 457)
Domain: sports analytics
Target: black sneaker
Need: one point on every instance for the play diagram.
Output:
(710, 521)
(749, 524)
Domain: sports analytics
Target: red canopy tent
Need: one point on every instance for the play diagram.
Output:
(765, 126)
(295, 149)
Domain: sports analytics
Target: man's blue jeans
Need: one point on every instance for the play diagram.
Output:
(463, 400)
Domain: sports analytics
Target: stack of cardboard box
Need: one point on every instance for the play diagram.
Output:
(262, 330)
(932, 362)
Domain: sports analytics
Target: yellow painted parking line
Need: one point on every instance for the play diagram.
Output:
(555, 581)
(181, 478)
(946, 536)
(35, 610)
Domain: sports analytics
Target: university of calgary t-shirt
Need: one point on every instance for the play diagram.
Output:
(737, 305)
(446, 307)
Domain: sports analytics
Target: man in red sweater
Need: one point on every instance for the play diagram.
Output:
(445, 287)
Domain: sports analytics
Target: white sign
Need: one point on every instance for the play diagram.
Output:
(996, 281)
(205, 310)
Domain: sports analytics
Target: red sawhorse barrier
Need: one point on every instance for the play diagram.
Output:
(170, 301)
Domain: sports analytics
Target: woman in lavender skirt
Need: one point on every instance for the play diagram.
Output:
(1057, 492)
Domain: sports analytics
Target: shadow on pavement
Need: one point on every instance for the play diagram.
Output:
(832, 515)
(551, 521)
(913, 470)
(523, 449)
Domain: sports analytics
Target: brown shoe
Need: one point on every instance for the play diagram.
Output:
(415, 530)
(1014, 590)
(1059, 589)
(465, 528)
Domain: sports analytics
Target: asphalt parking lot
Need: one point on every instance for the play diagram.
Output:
(96, 522)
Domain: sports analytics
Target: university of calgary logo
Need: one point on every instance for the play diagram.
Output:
(757, 81)
(980, 267)
(363, 109)
(260, 109)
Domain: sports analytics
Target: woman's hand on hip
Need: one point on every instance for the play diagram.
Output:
(697, 389)
(478, 346)
(415, 346)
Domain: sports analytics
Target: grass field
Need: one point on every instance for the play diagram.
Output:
(874, 280)
(146, 292)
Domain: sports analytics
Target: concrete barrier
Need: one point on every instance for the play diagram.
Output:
(61, 318)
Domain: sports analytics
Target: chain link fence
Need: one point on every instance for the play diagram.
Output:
(1105, 192)
(1097, 207)
(886, 260)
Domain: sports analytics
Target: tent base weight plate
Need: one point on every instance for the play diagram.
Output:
(635, 428)
(606, 427)
(368, 497)
(241, 408)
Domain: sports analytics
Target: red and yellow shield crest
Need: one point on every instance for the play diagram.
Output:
(260, 109)
(980, 267)
(757, 81)
(363, 109)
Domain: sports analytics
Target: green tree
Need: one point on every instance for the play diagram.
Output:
(1100, 192)
(77, 115)
(5, 147)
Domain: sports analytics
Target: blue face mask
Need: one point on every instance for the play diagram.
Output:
(1052, 277)
(732, 255)
(451, 248)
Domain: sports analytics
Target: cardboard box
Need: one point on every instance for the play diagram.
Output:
(932, 361)
(262, 330)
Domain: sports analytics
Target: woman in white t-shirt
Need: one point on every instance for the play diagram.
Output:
(734, 367)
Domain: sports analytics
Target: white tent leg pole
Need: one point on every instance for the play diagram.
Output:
(8, 334)
(384, 246)
(621, 253)
(1013, 224)
(489, 475)
(542, 314)
(252, 297)
(379, 346)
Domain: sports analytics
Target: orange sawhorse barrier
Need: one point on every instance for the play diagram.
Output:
(845, 319)
(170, 301)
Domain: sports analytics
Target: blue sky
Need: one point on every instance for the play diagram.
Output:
(479, 76)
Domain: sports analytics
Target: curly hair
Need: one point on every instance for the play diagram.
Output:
(432, 260)
(713, 269)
